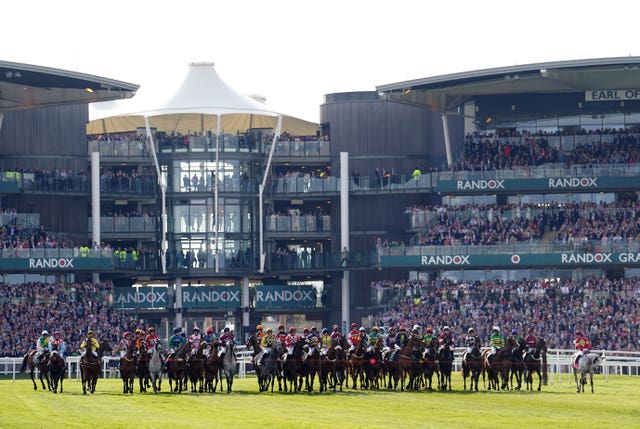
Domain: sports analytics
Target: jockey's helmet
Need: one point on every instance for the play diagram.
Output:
(269, 330)
(91, 332)
(138, 331)
(362, 329)
(402, 328)
(152, 329)
(429, 330)
(281, 328)
(446, 328)
(259, 328)
(126, 334)
(177, 330)
(416, 327)
(226, 329)
(209, 330)
(292, 329)
(354, 325)
(325, 330)
(579, 332)
(531, 330)
(142, 332)
(56, 333)
(45, 332)
(471, 331)
(313, 328)
(375, 329)
(514, 332)
(195, 328)
(496, 329)
(305, 330)
(336, 328)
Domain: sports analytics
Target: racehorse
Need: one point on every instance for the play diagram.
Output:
(155, 367)
(374, 365)
(270, 365)
(177, 368)
(90, 367)
(195, 368)
(57, 368)
(498, 366)
(517, 364)
(128, 368)
(212, 368)
(293, 368)
(471, 367)
(254, 344)
(229, 363)
(142, 368)
(445, 364)
(408, 364)
(314, 367)
(532, 363)
(430, 363)
(356, 365)
(586, 365)
(42, 366)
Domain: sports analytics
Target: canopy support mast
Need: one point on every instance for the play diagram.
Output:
(163, 196)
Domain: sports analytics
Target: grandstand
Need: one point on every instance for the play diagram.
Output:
(503, 179)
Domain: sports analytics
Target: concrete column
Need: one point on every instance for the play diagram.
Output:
(179, 301)
(95, 204)
(244, 293)
(344, 235)
(447, 141)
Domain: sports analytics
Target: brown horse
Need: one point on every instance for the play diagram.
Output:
(356, 365)
(430, 363)
(498, 366)
(533, 363)
(293, 368)
(445, 364)
(142, 368)
(41, 366)
(374, 366)
(471, 367)
(408, 363)
(177, 368)
(57, 367)
(314, 367)
(253, 343)
(128, 368)
(212, 368)
(90, 367)
(195, 368)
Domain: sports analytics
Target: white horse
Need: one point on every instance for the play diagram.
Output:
(229, 363)
(155, 368)
(586, 365)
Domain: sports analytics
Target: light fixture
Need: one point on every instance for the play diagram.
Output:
(89, 89)
(407, 91)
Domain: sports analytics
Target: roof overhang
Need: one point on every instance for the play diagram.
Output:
(25, 86)
(448, 92)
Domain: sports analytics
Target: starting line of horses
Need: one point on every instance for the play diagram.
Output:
(411, 368)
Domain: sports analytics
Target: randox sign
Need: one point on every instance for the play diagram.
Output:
(211, 297)
(141, 297)
(282, 296)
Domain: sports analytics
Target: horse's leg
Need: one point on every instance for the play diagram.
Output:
(591, 380)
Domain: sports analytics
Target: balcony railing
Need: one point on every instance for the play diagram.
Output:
(303, 223)
(55, 253)
(119, 148)
(125, 224)
(295, 148)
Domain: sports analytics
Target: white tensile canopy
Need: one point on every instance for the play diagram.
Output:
(202, 102)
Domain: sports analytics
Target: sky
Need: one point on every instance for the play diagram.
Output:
(293, 52)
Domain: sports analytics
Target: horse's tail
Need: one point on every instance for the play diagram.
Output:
(25, 363)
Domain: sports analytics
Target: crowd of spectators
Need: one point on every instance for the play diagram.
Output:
(608, 311)
(508, 149)
(28, 309)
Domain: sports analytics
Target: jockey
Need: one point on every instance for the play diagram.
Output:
(58, 344)
(151, 339)
(139, 340)
(209, 337)
(583, 345)
(266, 342)
(336, 335)
(415, 333)
(175, 342)
(445, 339)
(353, 337)
(291, 340)
(401, 339)
(225, 338)
(472, 342)
(374, 336)
(124, 343)
(194, 339)
(281, 336)
(517, 338)
(43, 346)
(390, 337)
(91, 343)
(496, 341)
(530, 340)
(325, 341)
(259, 334)
(428, 337)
